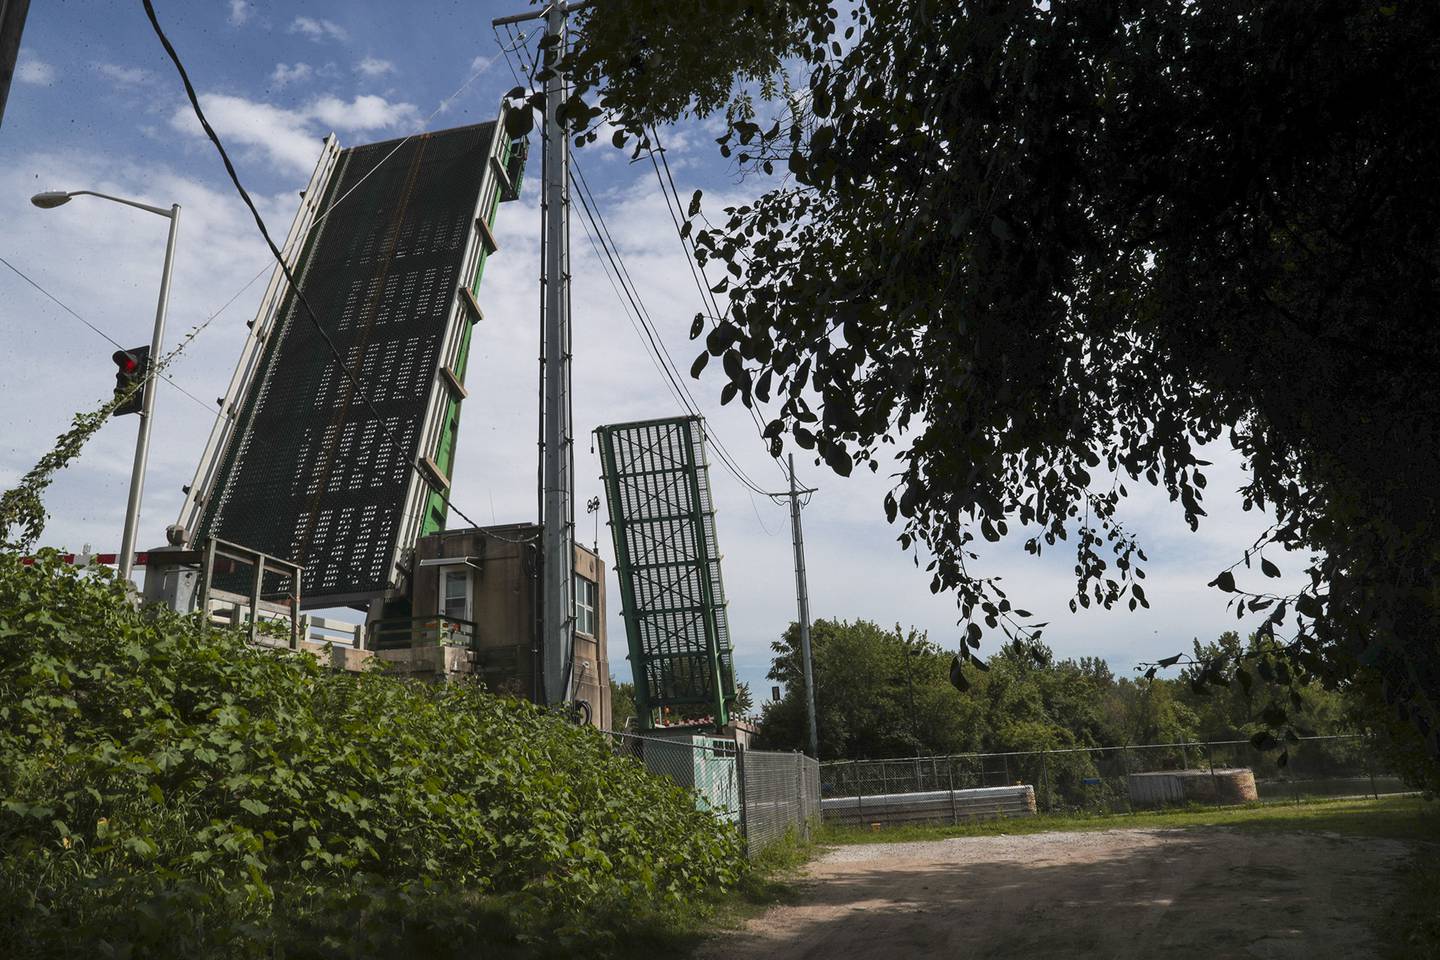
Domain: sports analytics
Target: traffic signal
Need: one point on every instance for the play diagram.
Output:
(130, 369)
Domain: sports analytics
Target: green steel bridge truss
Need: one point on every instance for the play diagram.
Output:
(662, 518)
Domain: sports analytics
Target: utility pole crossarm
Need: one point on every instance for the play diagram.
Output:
(544, 11)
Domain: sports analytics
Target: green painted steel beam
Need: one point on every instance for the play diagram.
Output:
(436, 512)
(668, 564)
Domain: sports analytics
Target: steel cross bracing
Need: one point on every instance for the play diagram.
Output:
(668, 562)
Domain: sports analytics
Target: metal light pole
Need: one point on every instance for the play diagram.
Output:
(126, 560)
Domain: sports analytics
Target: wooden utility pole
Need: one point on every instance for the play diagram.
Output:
(802, 603)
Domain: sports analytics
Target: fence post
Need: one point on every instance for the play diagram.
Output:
(950, 772)
(1369, 767)
(800, 796)
(1214, 780)
(859, 793)
(1125, 770)
(1005, 763)
(1045, 777)
(744, 803)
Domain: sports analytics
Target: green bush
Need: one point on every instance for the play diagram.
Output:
(168, 791)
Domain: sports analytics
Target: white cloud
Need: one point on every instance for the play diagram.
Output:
(33, 70)
(367, 112)
(319, 30)
(103, 260)
(283, 75)
(126, 76)
(240, 12)
(374, 67)
(283, 136)
(480, 64)
(290, 138)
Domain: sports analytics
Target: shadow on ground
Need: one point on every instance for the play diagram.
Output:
(1123, 893)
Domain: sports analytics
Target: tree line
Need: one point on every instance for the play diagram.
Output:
(888, 693)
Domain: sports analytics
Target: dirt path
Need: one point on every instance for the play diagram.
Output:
(1122, 893)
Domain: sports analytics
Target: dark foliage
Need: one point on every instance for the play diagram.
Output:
(1050, 250)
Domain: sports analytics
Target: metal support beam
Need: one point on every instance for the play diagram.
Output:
(557, 496)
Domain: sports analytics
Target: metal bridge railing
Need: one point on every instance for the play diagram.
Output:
(397, 632)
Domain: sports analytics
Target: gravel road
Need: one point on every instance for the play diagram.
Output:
(1174, 894)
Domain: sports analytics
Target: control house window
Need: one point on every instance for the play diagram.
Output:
(585, 602)
(455, 594)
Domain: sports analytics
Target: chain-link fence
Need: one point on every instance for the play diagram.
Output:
(1098, 779)
(766, 795)
(781, 796)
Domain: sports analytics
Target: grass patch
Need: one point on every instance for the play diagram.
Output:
(1395, 818)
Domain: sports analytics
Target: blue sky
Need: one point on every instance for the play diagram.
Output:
(97, 105)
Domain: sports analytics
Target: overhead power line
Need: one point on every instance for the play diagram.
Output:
(655, 342)
(168, 379)
(63, 306)
(610, 252)
(697, 272)
(634, 324)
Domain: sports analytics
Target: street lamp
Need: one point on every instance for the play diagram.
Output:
(55, 198)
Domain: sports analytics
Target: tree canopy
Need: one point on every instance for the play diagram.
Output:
(886, 693)
(1050, 251)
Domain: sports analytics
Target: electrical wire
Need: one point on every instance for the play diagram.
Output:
(756, 510)
(657, 344)
(199, 328)
(203, 405)
(280, 259)
(666, 363)
(628, 316)
(63, 306)
(697, 271)
(515, 45)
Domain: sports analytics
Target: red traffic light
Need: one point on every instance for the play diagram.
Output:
(131, 366)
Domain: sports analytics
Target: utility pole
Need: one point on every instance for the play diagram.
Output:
(802, 603)
(557, 515)
(557, 484)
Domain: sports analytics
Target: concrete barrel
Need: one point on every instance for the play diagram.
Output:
(1164, 788)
